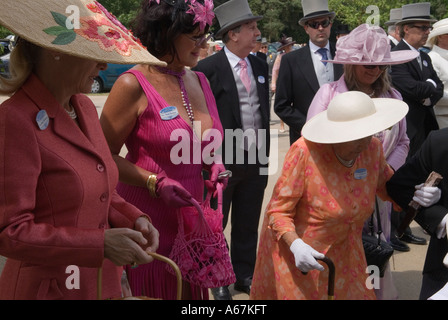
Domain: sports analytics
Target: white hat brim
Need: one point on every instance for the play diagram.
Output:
(437, 32)
(320, 129)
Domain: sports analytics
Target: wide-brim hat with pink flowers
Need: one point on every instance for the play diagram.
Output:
(369, 45)
(81, 28)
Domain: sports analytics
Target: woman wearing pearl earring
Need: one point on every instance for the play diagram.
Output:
(149, 103)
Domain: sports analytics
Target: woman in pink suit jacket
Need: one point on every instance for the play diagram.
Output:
(60, 217)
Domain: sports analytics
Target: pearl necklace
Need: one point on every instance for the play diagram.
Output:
(72, 113)
(345, 163)
(183, 90)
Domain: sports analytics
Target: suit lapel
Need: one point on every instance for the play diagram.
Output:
(227, 81)
(63, 125)
(259, 77)
(414, 63)
(306, 64)
(67, 129)
(338, 69)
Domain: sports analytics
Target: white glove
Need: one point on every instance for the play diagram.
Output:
(305, 256)
(426, 196)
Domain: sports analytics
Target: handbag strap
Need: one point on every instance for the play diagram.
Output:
(378, 219)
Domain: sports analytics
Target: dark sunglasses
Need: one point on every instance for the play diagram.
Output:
(371, 67)
(423, 28)
(316, 24)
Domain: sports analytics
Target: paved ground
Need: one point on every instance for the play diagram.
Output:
(406, 267)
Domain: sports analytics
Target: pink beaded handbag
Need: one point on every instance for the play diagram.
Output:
(200, 248)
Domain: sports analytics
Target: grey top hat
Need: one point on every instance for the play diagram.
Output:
(232, 14)
(394, 16)
(313, 9)
(416, 12)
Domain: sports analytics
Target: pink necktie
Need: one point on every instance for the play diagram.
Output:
(244, 76)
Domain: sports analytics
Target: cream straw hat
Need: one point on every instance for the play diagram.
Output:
(82, 28)
(353, 115)
(439, 28)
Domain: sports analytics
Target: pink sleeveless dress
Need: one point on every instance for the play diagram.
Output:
(150, 146)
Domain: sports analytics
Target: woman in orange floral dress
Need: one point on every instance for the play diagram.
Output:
(325, 193)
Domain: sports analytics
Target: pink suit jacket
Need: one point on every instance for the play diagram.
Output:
(57, 196)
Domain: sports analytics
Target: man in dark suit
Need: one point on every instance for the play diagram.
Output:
(393, 31)
(256, 50)
(420, 87)
(432, 156)
(417, 80)
(302, 72)
(243, 106)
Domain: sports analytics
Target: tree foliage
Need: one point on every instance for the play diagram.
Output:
(282, 16)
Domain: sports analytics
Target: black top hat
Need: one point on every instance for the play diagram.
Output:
(342, 29)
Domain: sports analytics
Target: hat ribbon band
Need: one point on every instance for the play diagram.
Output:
(317, 13)
(417, 17)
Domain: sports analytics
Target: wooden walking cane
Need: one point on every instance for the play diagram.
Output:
(331, 276)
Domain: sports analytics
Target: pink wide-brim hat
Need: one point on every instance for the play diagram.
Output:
(369, 45)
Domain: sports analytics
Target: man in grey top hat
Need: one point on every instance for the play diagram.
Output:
(302, 72)
(421, 88)
(416, 80)
(393, 30)
(257, 50)
(240, 84)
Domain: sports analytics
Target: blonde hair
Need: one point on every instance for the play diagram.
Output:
(381, 86)
(21, 64)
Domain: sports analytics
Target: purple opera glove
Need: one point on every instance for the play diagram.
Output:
(426, 196)
(172, 192)
(305, 256)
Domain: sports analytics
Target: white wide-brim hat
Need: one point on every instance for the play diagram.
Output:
(369, 45)
(81, 28)
(439, 28)
(353, 115)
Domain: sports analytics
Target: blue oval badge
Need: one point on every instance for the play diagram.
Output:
(261, 79)
(169, 113)
(360, 174)
(42, 119)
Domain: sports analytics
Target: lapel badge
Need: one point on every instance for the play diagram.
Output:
(42, 119)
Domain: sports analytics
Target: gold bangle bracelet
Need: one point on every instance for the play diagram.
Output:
(151, 185)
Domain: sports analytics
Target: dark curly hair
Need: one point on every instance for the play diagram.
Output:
(157, 25)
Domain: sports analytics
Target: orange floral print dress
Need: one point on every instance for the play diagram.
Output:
(326, 204)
